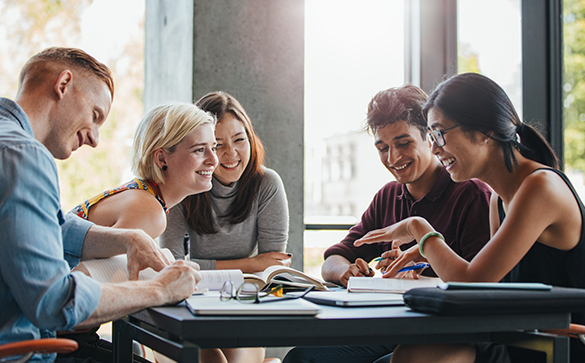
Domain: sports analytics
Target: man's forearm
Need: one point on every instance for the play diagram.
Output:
(173, 284)
(102, 242)
(334, 267)
(142, 250)
(118, 300)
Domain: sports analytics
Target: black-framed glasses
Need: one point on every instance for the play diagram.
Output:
(438, 135)
(248, 293)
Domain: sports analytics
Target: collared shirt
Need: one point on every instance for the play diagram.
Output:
(38, 293)
(459, 211)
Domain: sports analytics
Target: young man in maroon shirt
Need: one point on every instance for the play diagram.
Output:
(422, 188)
(460, 211)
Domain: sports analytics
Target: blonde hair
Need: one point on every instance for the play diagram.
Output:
(164, 127)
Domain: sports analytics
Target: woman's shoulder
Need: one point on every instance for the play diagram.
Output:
(544, 177)
(550, 185)
(131, 199)
(271, 186)
(271, 177)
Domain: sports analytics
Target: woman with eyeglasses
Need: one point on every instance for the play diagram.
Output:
(536, 217)
(242, 223)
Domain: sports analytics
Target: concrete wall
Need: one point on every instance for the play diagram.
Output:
(168, 52)
(253, 49)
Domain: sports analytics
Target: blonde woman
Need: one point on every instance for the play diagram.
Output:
(173, 157)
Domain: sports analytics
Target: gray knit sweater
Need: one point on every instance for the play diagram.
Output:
(265, 230)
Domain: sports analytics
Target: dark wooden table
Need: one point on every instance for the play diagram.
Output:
(178, 334)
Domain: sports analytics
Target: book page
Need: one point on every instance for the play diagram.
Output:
(379, 284)
(214, 279)
(298, 278)
(115, 269)
(255, 279)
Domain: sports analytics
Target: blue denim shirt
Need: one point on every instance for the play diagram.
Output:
(38, 293)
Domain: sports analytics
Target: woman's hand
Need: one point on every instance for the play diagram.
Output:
(395, 259)
(398, 234)
(388, 258)
(264, 260)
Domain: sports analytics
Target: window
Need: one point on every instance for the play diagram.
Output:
(353, 49)
(481, 49)
(27, 29)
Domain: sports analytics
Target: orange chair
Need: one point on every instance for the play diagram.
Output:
(23, 351)
(574, 331)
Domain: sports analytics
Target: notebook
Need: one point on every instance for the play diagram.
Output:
(211, 305)
(348, 299)
(389, 285)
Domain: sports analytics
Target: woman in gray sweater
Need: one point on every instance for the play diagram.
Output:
(242, 223)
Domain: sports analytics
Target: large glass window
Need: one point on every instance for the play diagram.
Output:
(353, 49)
(492, 47)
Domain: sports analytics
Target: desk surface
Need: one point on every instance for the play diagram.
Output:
(338, 325)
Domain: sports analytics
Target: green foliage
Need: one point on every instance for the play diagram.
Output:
(467, 61)
(574, 86)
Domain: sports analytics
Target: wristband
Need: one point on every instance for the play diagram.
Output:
(424, 238)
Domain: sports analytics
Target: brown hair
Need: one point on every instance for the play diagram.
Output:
(198, 206)
(402, 103)
(35, 67)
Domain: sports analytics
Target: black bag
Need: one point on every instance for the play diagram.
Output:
(500, 301)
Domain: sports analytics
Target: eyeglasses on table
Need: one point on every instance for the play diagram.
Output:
(248, 293)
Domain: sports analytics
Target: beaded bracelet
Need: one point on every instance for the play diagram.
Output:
(424, 238)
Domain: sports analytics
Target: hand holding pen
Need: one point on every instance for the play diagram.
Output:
(419, 266)
(359, 268)
(388, 259)
(400, 261)
(415, 270)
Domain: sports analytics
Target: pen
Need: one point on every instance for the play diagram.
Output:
(383, 258)
(414, 267)
(186, 246)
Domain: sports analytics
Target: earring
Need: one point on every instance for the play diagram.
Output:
(164, 167)
(486, 141)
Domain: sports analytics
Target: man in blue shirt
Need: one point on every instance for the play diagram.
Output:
(64, 97)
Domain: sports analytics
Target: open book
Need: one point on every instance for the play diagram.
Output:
(379, 284)
(114, 269)
(286, 276)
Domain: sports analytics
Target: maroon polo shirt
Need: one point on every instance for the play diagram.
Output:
(459, 211)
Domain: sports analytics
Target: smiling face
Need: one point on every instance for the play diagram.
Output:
(463, 155)
(77, 117)
(233, 149)
(405, 154)
(190, 166)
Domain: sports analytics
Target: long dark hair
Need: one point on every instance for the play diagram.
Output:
(198, 206)
(479, 104)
